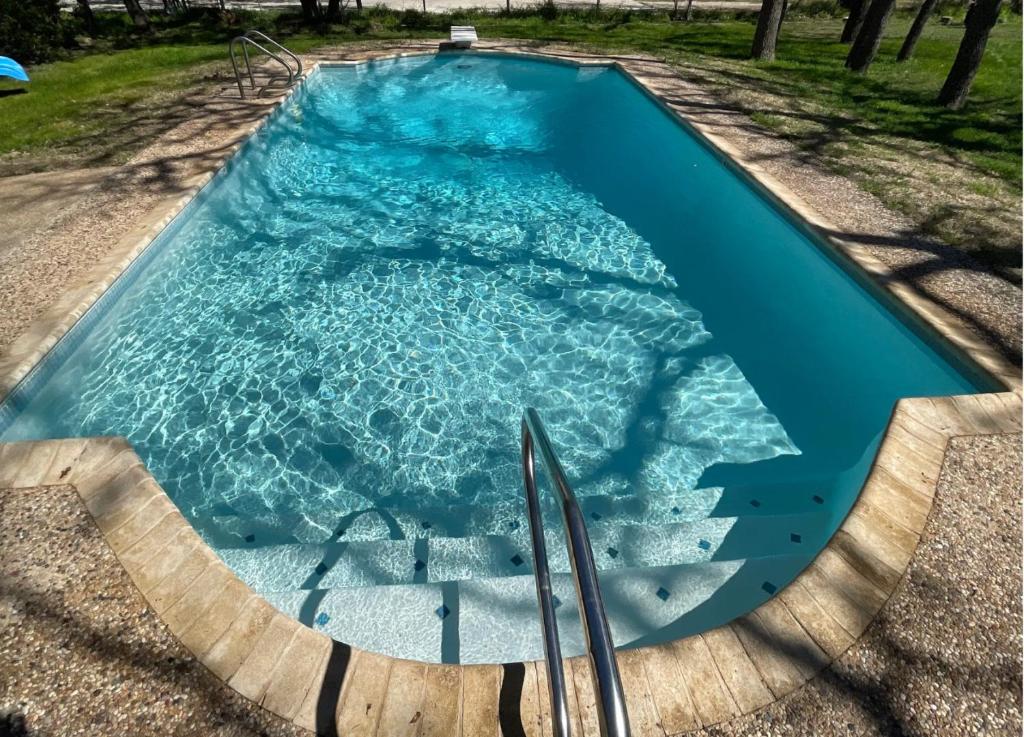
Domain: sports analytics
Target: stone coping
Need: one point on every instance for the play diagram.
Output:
(305, 677)
(672, 688)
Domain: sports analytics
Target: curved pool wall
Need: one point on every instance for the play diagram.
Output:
(323, 360)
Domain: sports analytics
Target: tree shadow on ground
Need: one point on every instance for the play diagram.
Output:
(874, 694)
(167, 667)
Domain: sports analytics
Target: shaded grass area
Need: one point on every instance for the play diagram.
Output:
(883, 129)
(70, 103)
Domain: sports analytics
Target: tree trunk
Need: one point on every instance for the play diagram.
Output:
(87, 17)
(333, 9)
(971, 5)
(854, 20)
(138, 15)
(983, 16)
(865, 46)
(782, 15)
(311, 10)
(767, 33)
(923, 14)
(689, 10)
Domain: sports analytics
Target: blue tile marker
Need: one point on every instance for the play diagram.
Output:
(442, 611)
(517, 560)
(769, 587)
(663, 593)
(704, 545)
(322, 618)
(419, 565)
(613, 552)
(793, 537)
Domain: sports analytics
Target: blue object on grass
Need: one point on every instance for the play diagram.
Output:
(10, 68)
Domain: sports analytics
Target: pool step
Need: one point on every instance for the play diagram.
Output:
(436, 559)
(403, 522)
(456, 621)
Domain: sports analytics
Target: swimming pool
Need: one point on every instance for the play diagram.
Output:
(324, 359)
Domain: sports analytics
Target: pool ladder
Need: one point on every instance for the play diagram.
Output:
(611, 706)
(246, 40)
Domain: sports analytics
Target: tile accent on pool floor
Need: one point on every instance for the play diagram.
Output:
(722, 673)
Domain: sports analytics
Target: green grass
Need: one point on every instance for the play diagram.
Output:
(69, 101)
(858, 124)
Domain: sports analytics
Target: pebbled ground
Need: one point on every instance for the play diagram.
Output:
(944, 656)
(82, 653)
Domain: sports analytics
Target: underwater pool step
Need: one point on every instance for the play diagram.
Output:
(382, 523)
(427, 560)
(457, 621)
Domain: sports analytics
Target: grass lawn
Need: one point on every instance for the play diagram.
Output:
(957, 174)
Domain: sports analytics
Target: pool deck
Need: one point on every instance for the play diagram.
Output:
(818, 651)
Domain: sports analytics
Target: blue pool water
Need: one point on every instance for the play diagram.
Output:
(324, 360)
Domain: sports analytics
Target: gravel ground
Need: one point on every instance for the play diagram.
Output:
(55, 226)
(944, 656)
(82, 652)
(83, 655)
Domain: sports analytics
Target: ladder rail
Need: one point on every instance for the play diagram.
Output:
(245, 42)
(611, 705)
(267, 39)
(545, 598)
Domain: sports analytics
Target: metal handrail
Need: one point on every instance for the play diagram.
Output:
(245, 41)
(611, 705)
(260, 34)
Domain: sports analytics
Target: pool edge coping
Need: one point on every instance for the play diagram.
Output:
(681, 685)
(735, 669)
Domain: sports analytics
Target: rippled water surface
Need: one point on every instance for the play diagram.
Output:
(356, 314)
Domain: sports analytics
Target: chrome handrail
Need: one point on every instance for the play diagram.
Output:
(268, 39)
(611, 705)
(245, 41)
